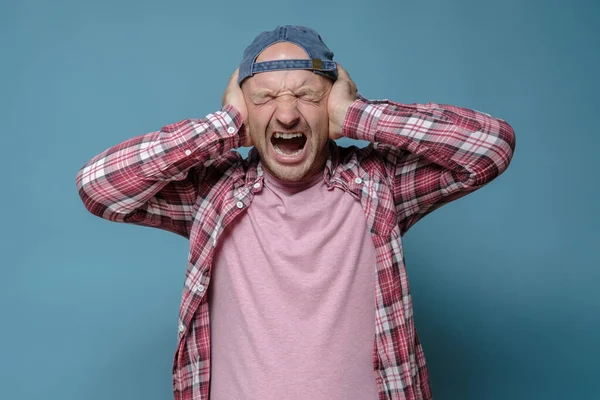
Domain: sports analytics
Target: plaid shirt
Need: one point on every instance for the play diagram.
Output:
(185, 179)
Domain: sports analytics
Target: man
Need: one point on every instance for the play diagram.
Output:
(296, 286)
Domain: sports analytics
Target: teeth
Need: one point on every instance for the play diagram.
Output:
(280, 135)
(278, 150)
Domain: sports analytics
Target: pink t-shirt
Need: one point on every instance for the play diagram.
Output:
(292, 302)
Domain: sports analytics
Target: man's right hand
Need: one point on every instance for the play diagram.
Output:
(233, 96)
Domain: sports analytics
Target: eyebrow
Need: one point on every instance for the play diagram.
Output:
(262, 93)
(303, 90)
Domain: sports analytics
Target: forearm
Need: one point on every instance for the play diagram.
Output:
(474, 146)
(125, 177)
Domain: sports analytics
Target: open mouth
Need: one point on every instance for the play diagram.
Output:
(288, 144)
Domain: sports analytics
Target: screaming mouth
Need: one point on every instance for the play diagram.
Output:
(288, 144)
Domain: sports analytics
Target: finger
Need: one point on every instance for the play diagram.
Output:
(342, 73)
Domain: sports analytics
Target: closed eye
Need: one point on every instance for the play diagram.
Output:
(309, 96)
(261, 99)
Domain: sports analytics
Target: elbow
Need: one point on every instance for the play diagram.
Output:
(507, 134)
(495, 160)
(92, 206)
(506, 146)
(88, 196)
(84, 195)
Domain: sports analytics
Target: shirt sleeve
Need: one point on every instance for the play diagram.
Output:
(434, 153)
(153, 179)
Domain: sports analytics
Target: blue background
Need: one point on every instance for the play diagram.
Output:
(505, 281)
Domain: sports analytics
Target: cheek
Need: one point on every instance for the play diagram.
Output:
(258, 120)
(318, 119)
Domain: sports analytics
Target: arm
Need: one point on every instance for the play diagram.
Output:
(434, 153)
(153, 179)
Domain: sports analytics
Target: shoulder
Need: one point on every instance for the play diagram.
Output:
(368, 158)
(372, 157)
(217, 171)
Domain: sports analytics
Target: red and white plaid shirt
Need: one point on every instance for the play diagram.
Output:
(185, 179)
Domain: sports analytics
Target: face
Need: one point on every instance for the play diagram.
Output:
(287, 116)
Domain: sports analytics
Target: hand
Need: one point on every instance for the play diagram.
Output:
(233, 96)
(342, 95)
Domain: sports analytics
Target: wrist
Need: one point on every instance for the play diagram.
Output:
(360, 121)
(238, 124)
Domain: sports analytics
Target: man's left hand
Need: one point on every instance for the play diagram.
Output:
(342, 95)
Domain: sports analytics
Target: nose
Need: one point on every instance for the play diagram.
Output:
(287, 113)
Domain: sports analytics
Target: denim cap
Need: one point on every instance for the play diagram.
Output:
(320, 57)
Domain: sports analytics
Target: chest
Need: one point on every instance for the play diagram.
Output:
(311, 237)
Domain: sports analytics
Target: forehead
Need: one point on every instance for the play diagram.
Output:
(279, 81)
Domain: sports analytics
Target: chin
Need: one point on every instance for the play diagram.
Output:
(287, 173)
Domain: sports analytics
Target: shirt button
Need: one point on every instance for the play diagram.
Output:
(181, 328)
(256, 185)
(231, 129)
(239, 204)
(188, 152)
(358, 181)
(200, 288)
